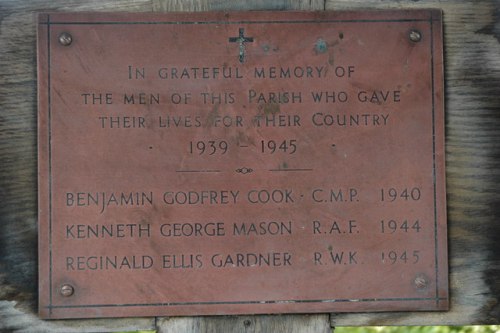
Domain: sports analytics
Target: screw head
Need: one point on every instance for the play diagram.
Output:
(67, 290)
(65, 39)
(420, 281)
(415, 35)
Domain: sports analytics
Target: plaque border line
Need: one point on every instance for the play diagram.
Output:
(430, 20)
(172, 304)
(436, 245)
(49, 93)
(233, 22)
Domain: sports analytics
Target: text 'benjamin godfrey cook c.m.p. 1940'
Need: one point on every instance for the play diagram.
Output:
(230, 163)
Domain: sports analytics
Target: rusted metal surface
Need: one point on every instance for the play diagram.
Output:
(224, 163)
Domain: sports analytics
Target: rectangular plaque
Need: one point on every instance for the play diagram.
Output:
(252, 162)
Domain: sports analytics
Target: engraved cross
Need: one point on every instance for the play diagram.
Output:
(241, 39)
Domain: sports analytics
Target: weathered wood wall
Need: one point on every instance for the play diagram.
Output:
(472, 70)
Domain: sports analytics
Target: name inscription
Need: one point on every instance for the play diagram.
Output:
(270, 173)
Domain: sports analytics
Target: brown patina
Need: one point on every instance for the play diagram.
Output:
(229, 163)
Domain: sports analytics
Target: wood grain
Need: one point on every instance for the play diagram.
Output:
(201, 5)
(472, 71)
(247, 324)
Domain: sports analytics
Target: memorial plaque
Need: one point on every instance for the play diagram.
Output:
(247, 162)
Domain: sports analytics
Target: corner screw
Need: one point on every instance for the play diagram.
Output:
(65, 39)
(415, 35)
(420, 282)
(67, 290)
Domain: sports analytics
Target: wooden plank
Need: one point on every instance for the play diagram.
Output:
(278, 323)
(204, 5)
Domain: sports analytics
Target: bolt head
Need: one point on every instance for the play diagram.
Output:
(415, 35)
(67, 290)
(420, 282)
(65, 39)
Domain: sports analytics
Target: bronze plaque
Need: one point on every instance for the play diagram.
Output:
(253, 162)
